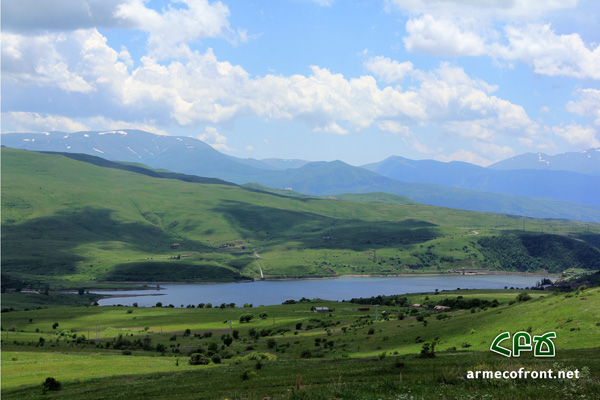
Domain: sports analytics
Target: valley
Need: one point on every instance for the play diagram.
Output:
(67, 221)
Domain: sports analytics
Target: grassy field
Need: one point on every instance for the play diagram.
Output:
(130, 352)
(67, 222)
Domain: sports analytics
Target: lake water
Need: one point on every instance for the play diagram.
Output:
(276, 292)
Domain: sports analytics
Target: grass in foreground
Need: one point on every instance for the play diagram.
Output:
(121, 352)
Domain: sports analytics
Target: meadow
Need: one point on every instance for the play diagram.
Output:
(356, 350)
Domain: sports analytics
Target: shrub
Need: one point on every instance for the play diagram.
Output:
(523, 296)
(51, 384)
(248, 374)
(198, 359)
(246, 317)
(306, 354)
(256, 356)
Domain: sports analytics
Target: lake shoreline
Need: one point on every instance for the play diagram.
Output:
(529, 274)
(277, 291)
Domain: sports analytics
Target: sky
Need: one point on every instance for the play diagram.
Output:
(358, 81)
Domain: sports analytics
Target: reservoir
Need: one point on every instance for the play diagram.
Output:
(276, 292)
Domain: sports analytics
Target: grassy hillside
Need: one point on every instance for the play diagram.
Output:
(290, 352)
(75, 221)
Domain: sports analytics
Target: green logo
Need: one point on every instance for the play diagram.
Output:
(521, 341)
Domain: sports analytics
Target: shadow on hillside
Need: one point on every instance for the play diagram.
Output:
(317, 231)
(45, 246)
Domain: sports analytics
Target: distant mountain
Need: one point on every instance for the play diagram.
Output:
(179, 154)
(280, 163)
(584, 162)
(190, 156)
(333, 178)
(559, 185)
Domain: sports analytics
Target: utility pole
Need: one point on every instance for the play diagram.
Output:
(230, 331)
(376, 313)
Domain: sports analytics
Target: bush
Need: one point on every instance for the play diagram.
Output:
(51, 384)
(523, 296)
(246, 317)
(198, 359)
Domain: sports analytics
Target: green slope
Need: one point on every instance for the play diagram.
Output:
(73, 220)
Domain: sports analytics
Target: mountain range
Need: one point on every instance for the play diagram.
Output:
(540, 193)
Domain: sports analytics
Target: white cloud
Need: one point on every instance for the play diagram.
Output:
(441, 37)
(465, 156)
(588, 104)
(548, 53)
(249, 147)
(578, 135)
(214, 138)
(170, 31)
(201, 89)
(470, 28)
(394, 127)
(34, 122)
(105, 124)
(389, 71)
(39, 60)
(495, 9)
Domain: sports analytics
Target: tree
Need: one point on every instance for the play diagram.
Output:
(428, 350)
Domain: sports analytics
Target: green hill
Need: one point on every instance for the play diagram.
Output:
(72, 220)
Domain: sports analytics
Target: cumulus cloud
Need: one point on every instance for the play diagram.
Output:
(214, 138)
(103, 123)
(387, 70)
(465, 156)
(588, 104)
(469, 28)
(171, 31)
(548, 53)
(576, 134)
(34, 122)
(201, 89)
(441, 37)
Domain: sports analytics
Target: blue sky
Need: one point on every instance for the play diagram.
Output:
(469, 80)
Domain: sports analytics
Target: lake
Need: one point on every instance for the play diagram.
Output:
(276, 292)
